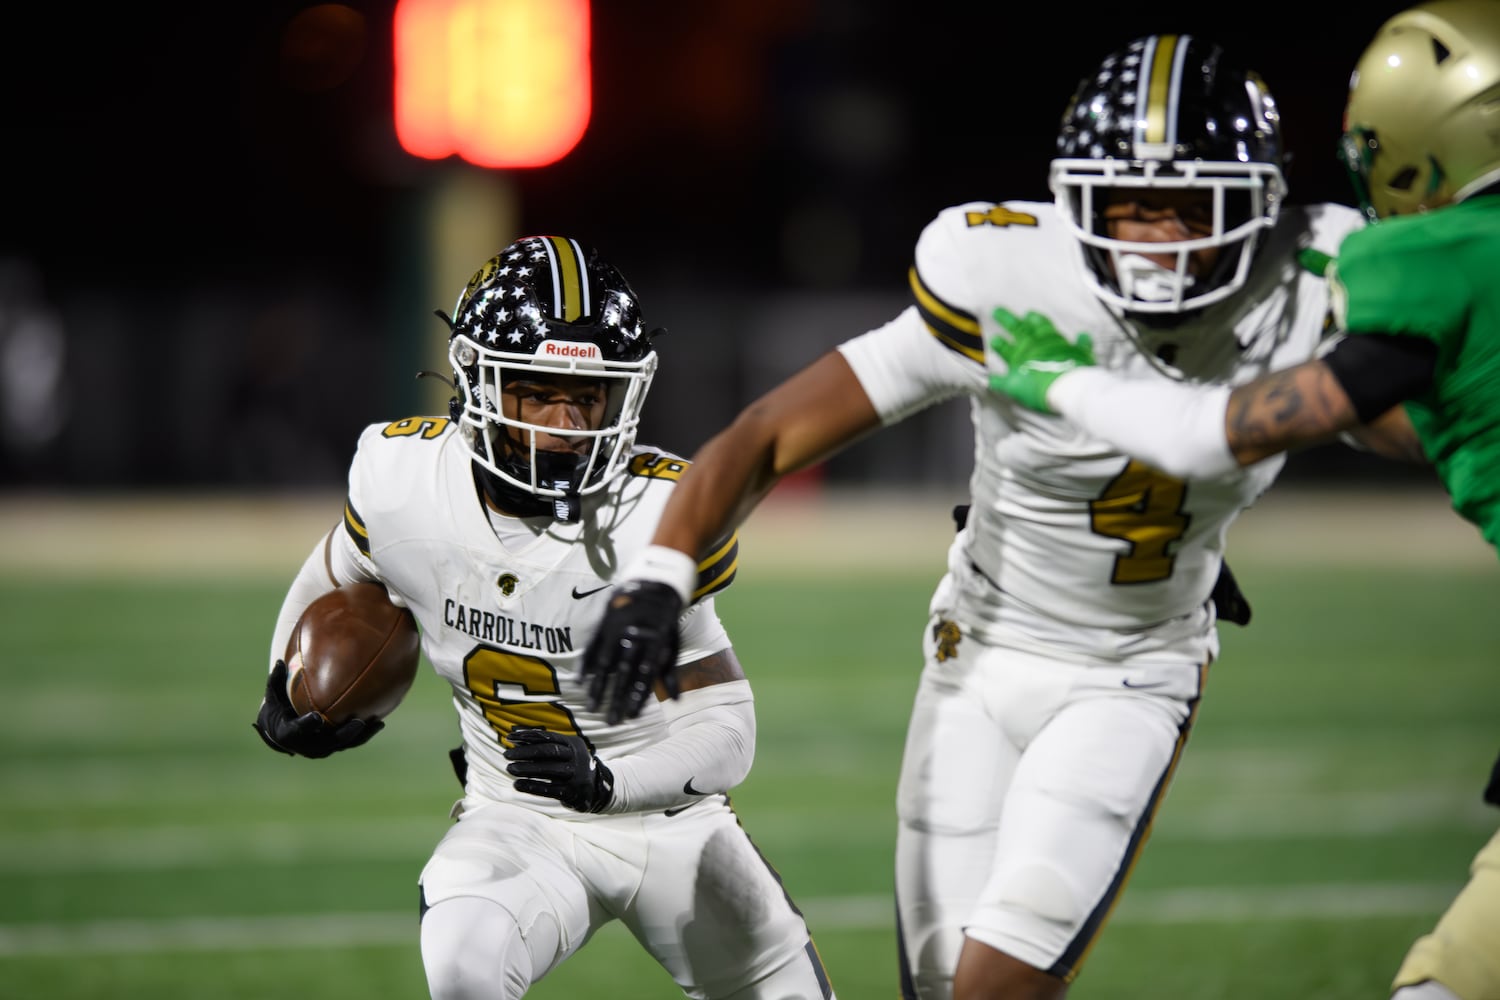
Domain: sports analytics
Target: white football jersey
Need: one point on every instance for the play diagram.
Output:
(1069, 546)
(508, 605)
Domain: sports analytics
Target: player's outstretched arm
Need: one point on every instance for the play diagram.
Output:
(1297, 406)
(806, 419)
(1190, 430)
(1390, 435)
(1209, 430)
(1181, 429)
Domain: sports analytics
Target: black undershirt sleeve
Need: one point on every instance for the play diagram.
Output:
(1377, 371)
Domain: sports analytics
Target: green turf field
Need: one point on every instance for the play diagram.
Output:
(1326, 809)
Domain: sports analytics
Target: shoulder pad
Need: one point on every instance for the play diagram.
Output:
(657, 465)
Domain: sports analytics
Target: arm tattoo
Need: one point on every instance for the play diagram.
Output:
(1285, 409)
(715, 668)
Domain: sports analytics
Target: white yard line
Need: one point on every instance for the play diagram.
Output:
(185, 847)
(207, 845)
(1325, 901)
(845, 913)
(165, 535)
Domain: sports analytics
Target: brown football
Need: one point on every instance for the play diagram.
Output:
(353, 654)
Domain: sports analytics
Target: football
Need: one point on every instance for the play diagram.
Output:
(353, 654)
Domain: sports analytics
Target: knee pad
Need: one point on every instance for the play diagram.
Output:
(473, 949)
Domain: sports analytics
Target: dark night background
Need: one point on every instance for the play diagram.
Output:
(211, 268)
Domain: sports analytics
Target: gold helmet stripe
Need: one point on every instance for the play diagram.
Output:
(1161, 89)
(570, 283)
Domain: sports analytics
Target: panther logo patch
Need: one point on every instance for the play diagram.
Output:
(947, 635)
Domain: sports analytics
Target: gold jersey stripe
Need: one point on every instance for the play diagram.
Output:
(718, 570)
(723, 550)
(718, 583)
(355, 526)
(955, 329)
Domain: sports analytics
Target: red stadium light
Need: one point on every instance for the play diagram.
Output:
(500, 83)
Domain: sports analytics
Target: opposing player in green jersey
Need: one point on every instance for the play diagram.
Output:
(1416, 376)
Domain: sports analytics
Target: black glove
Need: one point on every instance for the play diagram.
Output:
(1230, 603)
(560, 767)
(309, 735)
(460, 761)
(1492, 790)
(635, 647)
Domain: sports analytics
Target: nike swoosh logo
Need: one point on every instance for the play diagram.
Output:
(687, 789)
(579, 595)
(1139, 687)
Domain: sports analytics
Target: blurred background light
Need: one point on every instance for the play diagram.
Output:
(230, 224)
(500, 83)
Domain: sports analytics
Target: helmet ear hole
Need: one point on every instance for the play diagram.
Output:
(1404, 179)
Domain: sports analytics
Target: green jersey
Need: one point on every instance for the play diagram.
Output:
(1437, 275)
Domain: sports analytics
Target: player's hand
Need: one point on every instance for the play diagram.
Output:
(1316, 261)
(560, 767)
(634, 648)
(308, 735)
(1035, 355)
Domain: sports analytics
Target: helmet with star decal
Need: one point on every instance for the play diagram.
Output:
(548, 310)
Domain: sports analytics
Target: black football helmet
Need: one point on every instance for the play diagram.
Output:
(547, 305)
(1170, 111)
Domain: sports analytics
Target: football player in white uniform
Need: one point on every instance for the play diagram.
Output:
(503, 528)
(1416, 375)
(1070, 639)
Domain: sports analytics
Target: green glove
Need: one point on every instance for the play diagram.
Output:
(1035, 354)
(1314, 261)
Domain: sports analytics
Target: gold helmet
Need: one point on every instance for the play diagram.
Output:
(1422, 126)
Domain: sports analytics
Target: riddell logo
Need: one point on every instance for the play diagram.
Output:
(567, 349)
